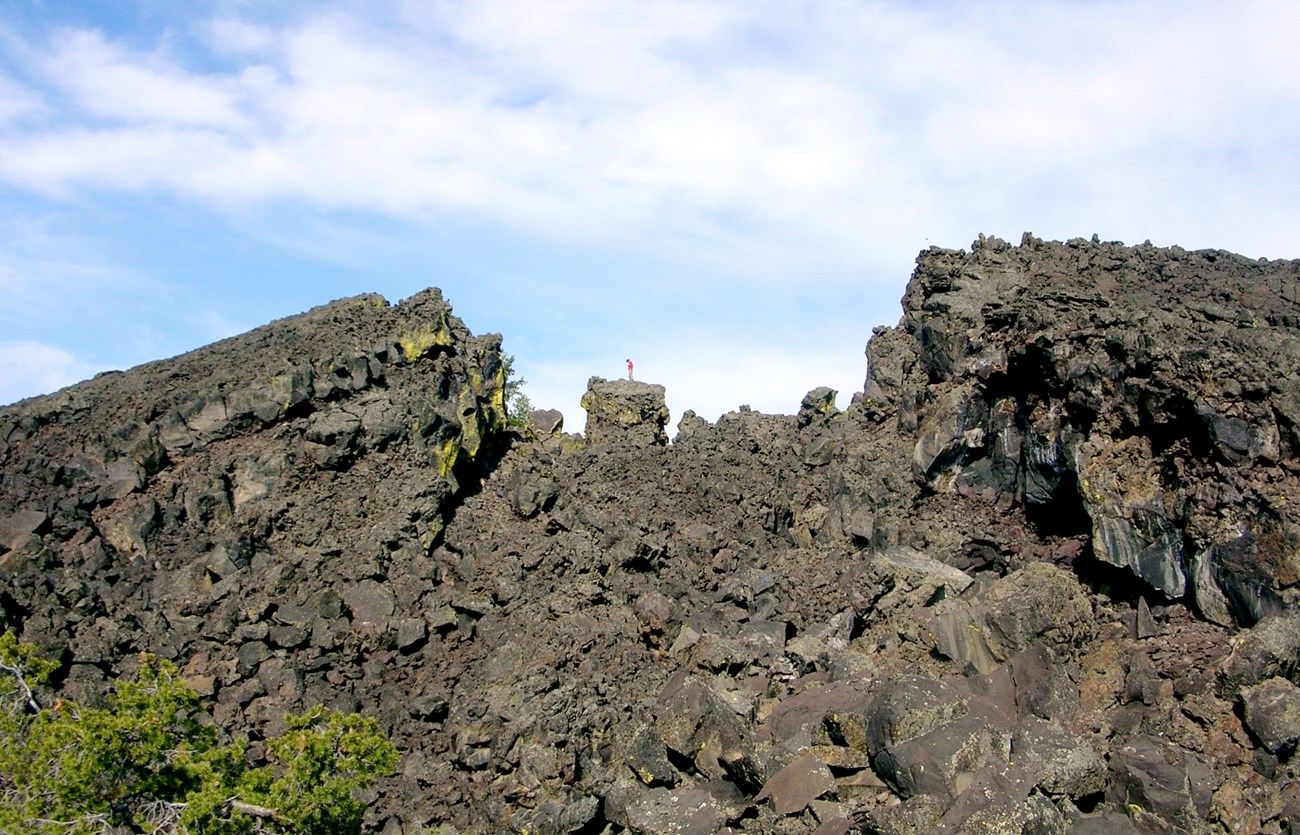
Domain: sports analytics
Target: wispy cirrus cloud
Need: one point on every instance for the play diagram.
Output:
(103, 79)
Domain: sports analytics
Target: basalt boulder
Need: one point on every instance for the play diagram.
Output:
(625, 412)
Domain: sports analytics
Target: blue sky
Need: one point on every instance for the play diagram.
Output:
(730, 193)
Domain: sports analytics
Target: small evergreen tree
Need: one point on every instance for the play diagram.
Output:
(145, 763)
(517, 403)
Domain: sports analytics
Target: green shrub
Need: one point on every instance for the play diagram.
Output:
(145, 763)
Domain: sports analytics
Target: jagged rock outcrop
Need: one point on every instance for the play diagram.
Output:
(1039, 577)
(1144, 395)
(254, 510)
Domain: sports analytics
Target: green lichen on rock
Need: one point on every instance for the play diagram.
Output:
(446, 454)
(817, 405)
(421, 342)
(497, 399)
(437, 332)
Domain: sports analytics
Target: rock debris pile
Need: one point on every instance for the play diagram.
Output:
(1041, 576)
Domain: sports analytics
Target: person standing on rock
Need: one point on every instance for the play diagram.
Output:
(629, 369)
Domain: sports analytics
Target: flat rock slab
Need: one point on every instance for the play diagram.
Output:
(909, 707)
(369, 601)
(1103, 823)
(946, 758)
(1161, 779)
(999, 802)
(912, 578)
(786, 718)
(14, 528)
(801, 782)
(680, 812)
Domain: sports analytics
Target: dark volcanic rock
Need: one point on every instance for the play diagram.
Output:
(987, 627)
(1040, 576)
(1270, 648)
(1122, 390)
(625, 412)
(681, 812)
(1273, 713)
(1154, 778)
(801, 782)
(546, 421)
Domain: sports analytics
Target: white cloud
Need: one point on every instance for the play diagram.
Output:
(17, 101)
(32, 368)
(108, 81)
(231, 36)
(852, 129)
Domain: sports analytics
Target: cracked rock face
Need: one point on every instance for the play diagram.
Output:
(1040, 576)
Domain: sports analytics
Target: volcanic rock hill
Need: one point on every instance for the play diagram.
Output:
(1041, 576)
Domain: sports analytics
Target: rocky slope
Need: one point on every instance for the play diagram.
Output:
(1041, 576)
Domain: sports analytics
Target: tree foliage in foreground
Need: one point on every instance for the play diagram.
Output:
(145, 763)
